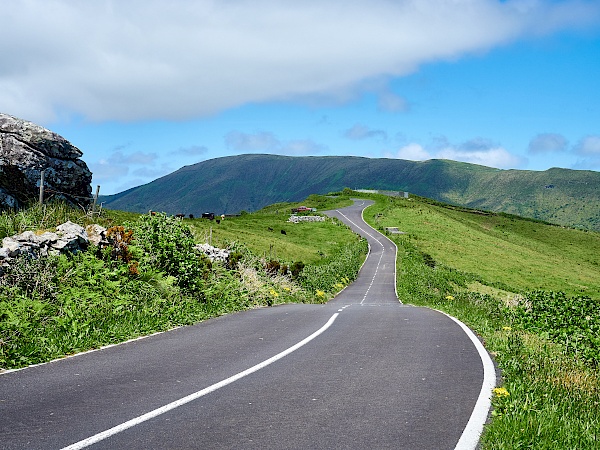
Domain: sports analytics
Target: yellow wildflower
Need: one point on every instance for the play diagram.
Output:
(274, 293)
(501, 392)
(320, 293)
(506, 328)
(449, 297)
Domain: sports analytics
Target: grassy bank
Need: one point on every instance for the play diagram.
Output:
(261, 232)
(150, 278)
(531, 292)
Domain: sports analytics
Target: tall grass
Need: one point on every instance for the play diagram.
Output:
(49, 215)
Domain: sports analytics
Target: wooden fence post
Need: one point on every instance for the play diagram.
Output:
(41, 187)
(96, 198)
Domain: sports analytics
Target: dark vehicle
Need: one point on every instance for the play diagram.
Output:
(208, 215)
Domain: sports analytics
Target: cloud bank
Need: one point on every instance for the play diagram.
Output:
(547, 143)
(179, 59)
(266, 142)
(476, 151)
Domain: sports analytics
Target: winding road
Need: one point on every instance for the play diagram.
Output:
(362, 371)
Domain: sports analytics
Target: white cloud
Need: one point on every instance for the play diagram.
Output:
(301, 147)
(118, 165)
(178, 59)
(257, 142)
(547, 142)
(359, 131)
(476, 151)
(267, 142)
(589, 145)
(134, 158)
(104, 172)
(194, 150)
(390, 102)
(492, 157)
(413, 152)
(589, 149)
(152, 173)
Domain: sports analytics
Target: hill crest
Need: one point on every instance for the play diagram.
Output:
(251, 181)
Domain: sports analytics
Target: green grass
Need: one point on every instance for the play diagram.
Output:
(151, 279)
(503, 250)
(309, 242)
(481, 269)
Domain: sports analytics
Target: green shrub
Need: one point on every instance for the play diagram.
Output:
(573, 322)
(296, 268)
(168, 245)
(272, 267)
(34, 278)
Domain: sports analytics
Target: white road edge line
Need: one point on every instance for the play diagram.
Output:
(163, 409)
(472, 432)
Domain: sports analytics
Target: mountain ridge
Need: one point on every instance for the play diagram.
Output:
(249, 182)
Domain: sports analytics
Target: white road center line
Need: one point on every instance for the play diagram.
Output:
(163, 409)
(380, 257)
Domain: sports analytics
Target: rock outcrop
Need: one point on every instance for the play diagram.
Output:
(25, 150)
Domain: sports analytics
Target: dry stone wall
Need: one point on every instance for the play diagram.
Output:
(298, 219)
(68, 238)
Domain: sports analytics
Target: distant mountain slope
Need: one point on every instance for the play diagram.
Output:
(250, 182)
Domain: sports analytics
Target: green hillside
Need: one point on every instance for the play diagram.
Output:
(531, 292)
(249, 182)
(504, 251)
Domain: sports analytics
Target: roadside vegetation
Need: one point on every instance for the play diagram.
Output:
(531, 291)
(150, 278)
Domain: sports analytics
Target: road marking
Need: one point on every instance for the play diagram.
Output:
(163, 409)
(472, 432)
(380, 257)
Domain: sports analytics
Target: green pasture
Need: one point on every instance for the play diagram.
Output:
(261, 232)
(507, 251)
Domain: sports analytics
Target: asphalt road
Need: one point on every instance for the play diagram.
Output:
(363, 371)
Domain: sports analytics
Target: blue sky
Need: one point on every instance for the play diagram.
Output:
(146, 87)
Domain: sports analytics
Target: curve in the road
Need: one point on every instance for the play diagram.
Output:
(385, 375)
(472, 432)
(196, 395)
(366, 234)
